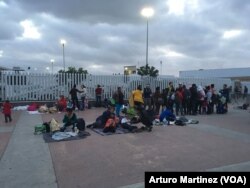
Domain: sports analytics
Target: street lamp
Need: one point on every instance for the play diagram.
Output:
(63, 42)
(125, 70)
(125, 74)
(52, 63)
(147, 12)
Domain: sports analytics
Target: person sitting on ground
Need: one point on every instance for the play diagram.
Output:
(69, 119)
(110, 125)
(126, 124)
(102, 119)
(168, 115)
(61, 103)
(146, 118)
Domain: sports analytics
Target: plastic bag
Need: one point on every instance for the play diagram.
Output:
(54, 125)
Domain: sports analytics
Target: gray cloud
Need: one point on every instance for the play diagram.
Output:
(105, 36)
(94, 11)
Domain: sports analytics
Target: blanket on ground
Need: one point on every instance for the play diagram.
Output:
(64, 136)
(119, 130)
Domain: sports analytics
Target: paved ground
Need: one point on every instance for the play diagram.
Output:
(217, 143)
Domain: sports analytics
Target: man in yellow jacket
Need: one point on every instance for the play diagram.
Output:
(138, 97)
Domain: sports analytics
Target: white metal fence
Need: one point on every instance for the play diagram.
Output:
(23, 86)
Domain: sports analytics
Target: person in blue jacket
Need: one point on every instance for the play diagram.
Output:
(168, 115)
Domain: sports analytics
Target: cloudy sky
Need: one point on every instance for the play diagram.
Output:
(103, 36)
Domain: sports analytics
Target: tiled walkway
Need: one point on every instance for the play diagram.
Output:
(217, 143)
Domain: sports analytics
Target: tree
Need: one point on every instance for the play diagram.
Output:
(82, 71)
(74, 70)
(71, 70)
(148, 71)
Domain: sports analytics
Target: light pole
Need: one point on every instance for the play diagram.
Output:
(52, 63)
(147, 12)
(161, 67)
(63, 42)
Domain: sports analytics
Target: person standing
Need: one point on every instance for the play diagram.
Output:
(193, 99)
(158, 100)
(147, 97)
(119, 100)
(178, 101)
(137, 97)
(225, 92)
(170, 92)
(7, 111)
(83, 96)
(98, 94)
(73, 92)
(245, 92)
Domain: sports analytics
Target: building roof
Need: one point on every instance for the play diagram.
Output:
(217, 73)
(4, 68)
(8, 69)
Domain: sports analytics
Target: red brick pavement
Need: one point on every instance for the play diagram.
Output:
(117, 160)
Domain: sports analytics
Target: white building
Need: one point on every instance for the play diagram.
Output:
(242, 74)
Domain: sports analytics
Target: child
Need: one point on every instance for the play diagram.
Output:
(110, 125)
(61, 103)
(126, 124)
(204, 106)
(7, 111)
(69, 119)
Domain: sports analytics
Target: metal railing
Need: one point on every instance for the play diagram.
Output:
(25, 86)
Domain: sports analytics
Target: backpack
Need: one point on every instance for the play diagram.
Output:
(80, 124)
(39, 129)
(47, 126)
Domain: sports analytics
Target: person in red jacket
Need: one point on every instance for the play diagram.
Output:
(62, 103)
(98, 94)
(7, 111)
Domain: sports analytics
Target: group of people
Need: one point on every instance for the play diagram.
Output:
(182, 100)
(109, 122)
(111, 118)
(239, 93)
(74, 99)
(83, 96)
(148, 105)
